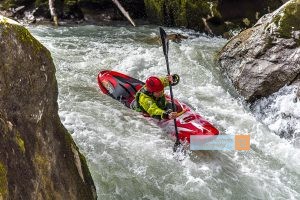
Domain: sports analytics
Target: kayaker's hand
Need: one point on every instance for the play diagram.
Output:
(173, 79)
(169, 114)
(170, 78)
(172, 115)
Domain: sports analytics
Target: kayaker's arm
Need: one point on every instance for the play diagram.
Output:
(150, 106)
(173, 79)
(165, 80)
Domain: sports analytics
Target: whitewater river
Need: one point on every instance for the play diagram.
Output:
(129, 157)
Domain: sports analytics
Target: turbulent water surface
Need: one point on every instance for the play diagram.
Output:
(129, 157)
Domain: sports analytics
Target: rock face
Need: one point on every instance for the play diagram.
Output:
(38, 157)
(262, 59)
(214, 16)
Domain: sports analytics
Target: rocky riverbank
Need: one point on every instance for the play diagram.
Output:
(264, 59)
(212, 17)
(38, 157)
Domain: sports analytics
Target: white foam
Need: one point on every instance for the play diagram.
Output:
(132, 157)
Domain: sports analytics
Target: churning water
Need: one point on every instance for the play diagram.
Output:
(129, 157)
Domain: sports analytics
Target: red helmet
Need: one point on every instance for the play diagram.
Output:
(154, 84)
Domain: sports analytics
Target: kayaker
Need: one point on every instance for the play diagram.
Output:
(151, 98)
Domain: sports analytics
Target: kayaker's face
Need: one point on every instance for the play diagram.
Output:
(158, 94)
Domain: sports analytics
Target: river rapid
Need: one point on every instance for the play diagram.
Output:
(131, 158)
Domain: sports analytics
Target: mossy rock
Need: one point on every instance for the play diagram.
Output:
(180, 13)
(20, 142)
(3, 182)
(289, 20)
(3, 127)
(31, 131)
(22, 34)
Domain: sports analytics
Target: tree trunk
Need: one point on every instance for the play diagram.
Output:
(53, 12)
(123, 11)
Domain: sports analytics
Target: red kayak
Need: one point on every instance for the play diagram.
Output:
(123, 88)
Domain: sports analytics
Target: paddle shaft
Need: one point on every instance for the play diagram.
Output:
(172, 99)
(165, 49)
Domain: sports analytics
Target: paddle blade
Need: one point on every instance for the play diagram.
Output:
(164, 40)
(176, 146)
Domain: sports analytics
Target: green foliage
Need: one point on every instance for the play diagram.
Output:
(70, 2)
(214, 10)
(9, 4)
(15, 3)
(177, 12)
(155, 10)
(96, 2)
(187, 13)
(197, 8)
(40, 2)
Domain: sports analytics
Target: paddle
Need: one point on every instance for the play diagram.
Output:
(165, 44)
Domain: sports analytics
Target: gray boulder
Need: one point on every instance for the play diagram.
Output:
(38, 157)
(261, 60)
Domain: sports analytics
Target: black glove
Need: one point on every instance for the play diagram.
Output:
(166, 114)
(176, 79)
